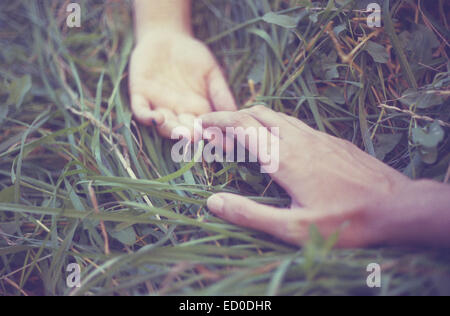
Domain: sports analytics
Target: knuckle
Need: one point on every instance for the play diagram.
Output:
(240, 119)
(346, 144)
(258, 108)
(295, 231)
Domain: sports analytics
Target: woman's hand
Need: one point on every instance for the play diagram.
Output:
(173, 79)
(332, 183)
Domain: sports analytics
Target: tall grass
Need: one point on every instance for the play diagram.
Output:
(81, 182)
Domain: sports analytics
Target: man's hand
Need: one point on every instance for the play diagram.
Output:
(335, 186)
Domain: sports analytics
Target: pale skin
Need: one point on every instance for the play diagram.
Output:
(174, 78)
(337, 187)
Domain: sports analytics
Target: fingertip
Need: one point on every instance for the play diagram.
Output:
(167, 129)
(211, 118)
(219, 92)
(189, 121)
(194, 104)
(215, 204)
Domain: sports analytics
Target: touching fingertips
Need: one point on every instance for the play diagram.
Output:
(219, 92)
(156, 118)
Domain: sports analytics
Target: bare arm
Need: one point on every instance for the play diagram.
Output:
(420, 215)
(167, 14)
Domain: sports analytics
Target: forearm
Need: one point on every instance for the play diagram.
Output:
(420, 215)
(168, 15)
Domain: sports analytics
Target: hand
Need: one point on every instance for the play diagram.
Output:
(173, 79)
(332, 183)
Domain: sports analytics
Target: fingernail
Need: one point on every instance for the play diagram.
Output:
(215, 204)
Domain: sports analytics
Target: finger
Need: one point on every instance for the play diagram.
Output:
(262, 145)
(240, 124)
(297, 123)
(219, 92)
(292, 226)
(179, 102)
(189, 121)
(171, 124)
(219, 141)
(250, 133)
(245, 212)
(270, 119)
(192, 103)
(225, 119)
(143, 113)
(278, 157)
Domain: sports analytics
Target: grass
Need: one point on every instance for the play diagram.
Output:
(80, 182)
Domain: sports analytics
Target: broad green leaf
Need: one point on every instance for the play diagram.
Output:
(285, 21)
(19, 89)
(257, 71)
(335, 94)
(429, 137)
(420, 44)
(126, 236)
(326, 66)
(7, 195)
(378, 52)
(385, 143)
(429, 155)
(339, 29)
(421, 99)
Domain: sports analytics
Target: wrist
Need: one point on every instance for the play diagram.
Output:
(417, 213)
(383, 210)
(172, 16)
(146, 30)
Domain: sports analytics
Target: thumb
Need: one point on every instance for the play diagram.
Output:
(245, 212)
(219, 92)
